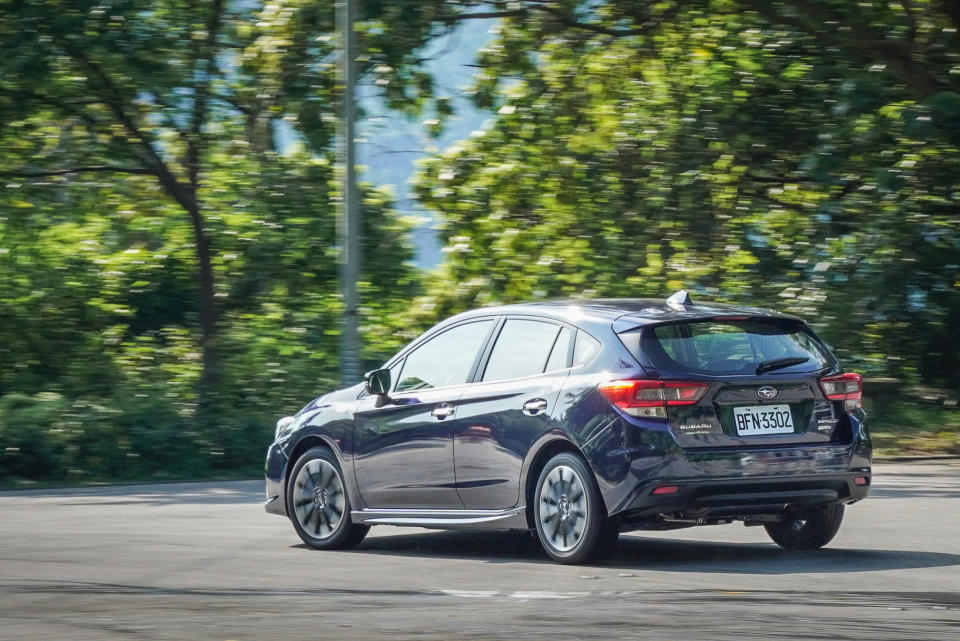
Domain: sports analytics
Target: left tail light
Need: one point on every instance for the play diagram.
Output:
(844, 387)
(650, 399)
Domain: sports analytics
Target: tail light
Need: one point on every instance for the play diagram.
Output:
(650, 399)
(844, 387)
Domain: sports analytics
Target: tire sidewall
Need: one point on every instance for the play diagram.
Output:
(595, 514)
(821, 526)
(342, 532)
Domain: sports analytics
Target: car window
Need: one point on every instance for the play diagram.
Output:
(521, 349)
(445, 359)
(585, 348)
(561, 348)
(734, 347)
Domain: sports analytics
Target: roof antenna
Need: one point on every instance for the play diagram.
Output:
(679, 301)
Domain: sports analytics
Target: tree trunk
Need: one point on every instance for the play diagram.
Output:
(209, 375)
(207, 302)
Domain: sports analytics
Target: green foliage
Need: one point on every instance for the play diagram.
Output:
(168, 275)
(168, 279)
(742, 150)
(909, 425)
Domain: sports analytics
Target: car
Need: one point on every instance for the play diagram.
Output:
(579, 420)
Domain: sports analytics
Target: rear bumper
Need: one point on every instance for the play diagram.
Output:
(765, 479)
(718, 498)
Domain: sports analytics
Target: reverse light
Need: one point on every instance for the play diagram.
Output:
(844, 387)
(650, 399)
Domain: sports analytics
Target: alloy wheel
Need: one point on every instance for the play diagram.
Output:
(563, 508)
(318, 498)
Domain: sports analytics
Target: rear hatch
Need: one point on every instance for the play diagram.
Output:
(739, 381)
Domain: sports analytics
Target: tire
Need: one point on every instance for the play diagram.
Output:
(318, 504)
(808, 531)
(569, 514)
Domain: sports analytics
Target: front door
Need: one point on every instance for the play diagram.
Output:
(404, 449)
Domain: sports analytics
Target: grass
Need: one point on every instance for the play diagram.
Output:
(908, 426)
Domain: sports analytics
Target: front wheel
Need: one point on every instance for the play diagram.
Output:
(807, 531)
(571, 521)
(318, 504)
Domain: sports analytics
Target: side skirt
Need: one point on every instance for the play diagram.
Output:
(510, 519)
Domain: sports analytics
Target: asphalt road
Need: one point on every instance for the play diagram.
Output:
(204, 561)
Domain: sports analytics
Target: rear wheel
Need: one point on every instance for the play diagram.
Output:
(808, 531)
(572, 524)
(318, 503)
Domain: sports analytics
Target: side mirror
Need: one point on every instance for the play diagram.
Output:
(377, 382)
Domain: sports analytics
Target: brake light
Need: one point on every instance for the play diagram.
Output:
(650, 399)
(844, 387)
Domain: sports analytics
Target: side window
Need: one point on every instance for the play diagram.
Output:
(445, 359)
(521, 349)
(561, 347)
(585, 348)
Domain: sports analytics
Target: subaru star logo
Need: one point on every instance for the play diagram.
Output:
(767, 392)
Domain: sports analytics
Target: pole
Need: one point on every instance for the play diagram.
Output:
(348, 223)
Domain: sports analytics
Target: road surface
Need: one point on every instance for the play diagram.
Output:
(204, 561)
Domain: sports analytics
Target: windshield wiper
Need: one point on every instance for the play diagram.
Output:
(780, 363)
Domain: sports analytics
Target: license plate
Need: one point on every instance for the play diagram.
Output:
(757, 420)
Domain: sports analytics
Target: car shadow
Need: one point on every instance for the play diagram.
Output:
(662, 555)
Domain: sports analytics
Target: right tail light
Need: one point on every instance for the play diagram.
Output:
(844, 387)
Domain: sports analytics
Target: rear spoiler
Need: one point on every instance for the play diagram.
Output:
(633, 321)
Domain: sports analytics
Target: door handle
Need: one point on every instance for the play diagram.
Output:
(534, 406)
(443, 411)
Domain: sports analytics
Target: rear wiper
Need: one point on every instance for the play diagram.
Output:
(780, 363)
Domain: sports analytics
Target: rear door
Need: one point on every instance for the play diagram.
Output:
(761, 377)
(508, 408)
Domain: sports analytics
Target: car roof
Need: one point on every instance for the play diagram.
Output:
(625, 313)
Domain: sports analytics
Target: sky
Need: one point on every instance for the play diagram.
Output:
(389, 143)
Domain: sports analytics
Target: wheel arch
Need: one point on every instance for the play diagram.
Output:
(546, 451)
(308, 442)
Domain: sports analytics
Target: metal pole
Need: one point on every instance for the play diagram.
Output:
(348, 227)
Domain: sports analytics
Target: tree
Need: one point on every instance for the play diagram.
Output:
(139, 94)
(795, 154)
(168, 271)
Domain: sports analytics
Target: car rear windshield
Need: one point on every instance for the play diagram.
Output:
(745, 347)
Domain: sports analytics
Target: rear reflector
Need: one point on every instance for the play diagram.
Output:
(861, 480)
(666, 489)
(844, 387)
(650, 399)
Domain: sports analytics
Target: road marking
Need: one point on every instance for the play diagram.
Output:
(471, 594)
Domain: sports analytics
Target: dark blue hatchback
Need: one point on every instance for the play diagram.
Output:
(580, 420)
